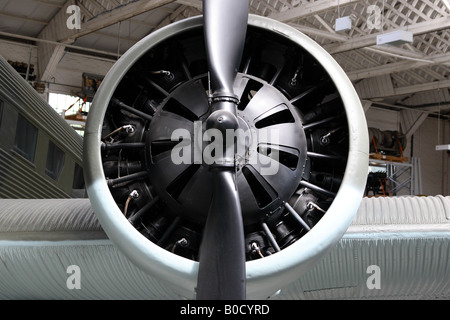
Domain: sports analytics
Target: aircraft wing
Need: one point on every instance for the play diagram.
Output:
(395, 248)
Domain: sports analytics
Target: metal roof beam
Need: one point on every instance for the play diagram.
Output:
(23, 18)
(396, 67)
(311, 9)
(49, 3)
(111, 17)
(434, 85)
(49, 55)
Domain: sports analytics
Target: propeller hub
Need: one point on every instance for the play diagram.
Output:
(264, 142)
(222, 120)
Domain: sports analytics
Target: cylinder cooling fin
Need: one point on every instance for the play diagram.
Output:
(300, 164)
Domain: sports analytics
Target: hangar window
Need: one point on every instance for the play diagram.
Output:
(78, 178)
(78, 186)
(55, 161)
(26, 138)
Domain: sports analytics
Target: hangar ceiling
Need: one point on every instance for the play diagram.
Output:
(412, 76)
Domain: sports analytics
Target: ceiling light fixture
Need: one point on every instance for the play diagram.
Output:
(441, 147)
(397, 37)
(344, 23)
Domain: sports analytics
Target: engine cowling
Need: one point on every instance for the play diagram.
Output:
(301, 160)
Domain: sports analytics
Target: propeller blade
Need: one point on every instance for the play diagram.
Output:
(222, 253)
(221, 273)
(225, 24)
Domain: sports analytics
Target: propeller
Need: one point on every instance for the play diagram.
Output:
(221, 273)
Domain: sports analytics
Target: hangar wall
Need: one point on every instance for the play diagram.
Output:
(435, 175)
